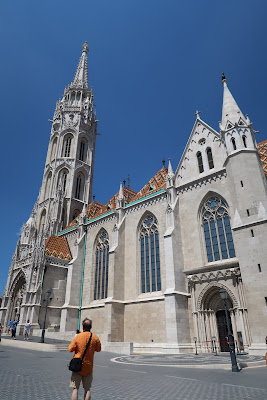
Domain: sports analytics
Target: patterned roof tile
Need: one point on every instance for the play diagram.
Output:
(155, 184)
(58, 247)
(263, 155)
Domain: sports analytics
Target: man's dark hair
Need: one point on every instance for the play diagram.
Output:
(87, 324)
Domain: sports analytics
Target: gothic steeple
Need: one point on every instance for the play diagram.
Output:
(68, 175)
(231, 113)
(81, 77)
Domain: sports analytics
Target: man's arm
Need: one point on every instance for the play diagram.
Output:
(72, 346)
(98, 345)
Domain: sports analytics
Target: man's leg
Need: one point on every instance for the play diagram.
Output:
(87, 395)
(74, 394)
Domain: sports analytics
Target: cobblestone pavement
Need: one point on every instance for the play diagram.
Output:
(34, 375)
(187, 359)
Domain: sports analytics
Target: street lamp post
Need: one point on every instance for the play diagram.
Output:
(47, 300)
(235, 368)
(195, 340)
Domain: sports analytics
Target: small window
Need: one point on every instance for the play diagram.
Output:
(248, 214)
(210, 158)
(259, 267)
(252, 232)
(244, 140)
(200, 162)
(266, 301)
(233, 143)
(241, 183)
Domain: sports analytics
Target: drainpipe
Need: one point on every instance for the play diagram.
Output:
(81, 295)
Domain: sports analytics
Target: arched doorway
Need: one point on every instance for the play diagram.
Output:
(17, 298)
(212, 323)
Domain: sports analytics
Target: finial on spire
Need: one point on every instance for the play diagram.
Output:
(85, 47)
(120, 196)
(223, 78)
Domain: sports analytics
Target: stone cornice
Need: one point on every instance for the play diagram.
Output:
(213, 266)
(202, 181)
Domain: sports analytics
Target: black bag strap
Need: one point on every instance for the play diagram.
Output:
(88, 344)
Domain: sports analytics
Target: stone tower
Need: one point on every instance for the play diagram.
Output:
(68, 174)
(65, 189)
(249, 201)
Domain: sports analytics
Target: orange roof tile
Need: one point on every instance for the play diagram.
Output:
(155, 184)
(263, 155)
(58, 247)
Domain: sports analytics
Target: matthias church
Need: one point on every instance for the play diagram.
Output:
(147, 266)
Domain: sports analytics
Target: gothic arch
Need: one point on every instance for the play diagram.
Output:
(62, 166)
(101, 265)
(209, 289)
(209, 194)
(67, 145)
(19, 278)
(17, 292)
(142, 218)
(42, 218)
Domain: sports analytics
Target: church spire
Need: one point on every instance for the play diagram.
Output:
(231, 113)
(81, 76)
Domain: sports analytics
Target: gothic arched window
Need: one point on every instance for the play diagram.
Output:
(101, 266)
(63, 177)
(66, 146)
(217, 230)
(42, 220)
(54, 148)
(210, 158)
(233, 143)
(79, 187)
(48, 186)
(150, 262)
(200, 162)
(82, 152)
(244, 140)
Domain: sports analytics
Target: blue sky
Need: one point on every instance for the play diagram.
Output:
(151, 63)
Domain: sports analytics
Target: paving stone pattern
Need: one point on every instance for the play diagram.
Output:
(186, 359)
(34, 375)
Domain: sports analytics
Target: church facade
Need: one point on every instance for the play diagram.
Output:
(147, 266)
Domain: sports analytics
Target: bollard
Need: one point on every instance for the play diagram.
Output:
(266, 358)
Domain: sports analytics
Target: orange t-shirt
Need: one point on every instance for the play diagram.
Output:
(78, 345)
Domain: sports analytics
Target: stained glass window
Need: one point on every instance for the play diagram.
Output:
(217, 230)
(101, 266)
(150, 261)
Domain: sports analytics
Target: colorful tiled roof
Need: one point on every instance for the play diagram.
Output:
(91, 210)
(155, 184)
(58, 247)
(263, 154)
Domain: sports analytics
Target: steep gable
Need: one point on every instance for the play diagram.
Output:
(201, 138)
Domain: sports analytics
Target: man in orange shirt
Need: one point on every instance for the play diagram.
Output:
(86, 374)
